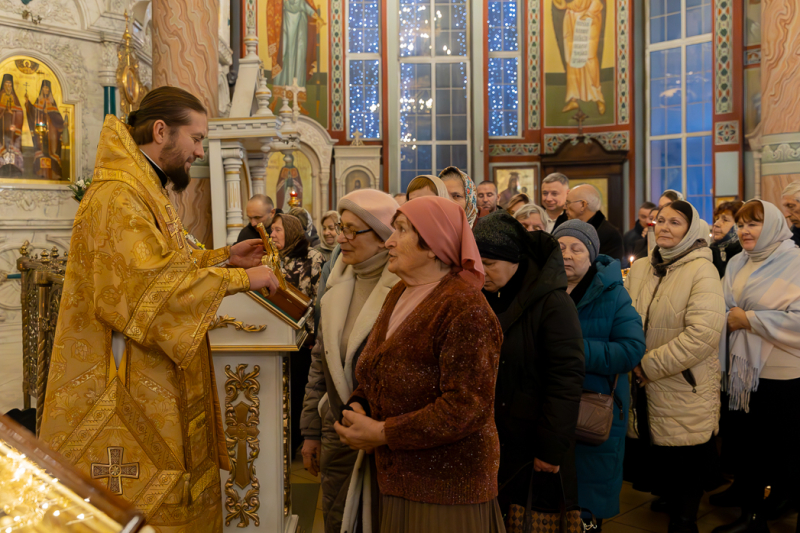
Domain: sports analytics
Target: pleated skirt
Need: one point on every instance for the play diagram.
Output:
(399, 515)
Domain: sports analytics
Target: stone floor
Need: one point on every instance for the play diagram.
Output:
(635, 515)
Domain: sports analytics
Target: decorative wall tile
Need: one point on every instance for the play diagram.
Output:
(623, 71)
(534, 74)
(337, 66)
(727, 132)
(752, 57)
(723, 73)
(611, 141)
(514, 149)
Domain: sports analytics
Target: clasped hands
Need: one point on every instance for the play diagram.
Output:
(359, 431)
(247, 254)
(737, 319)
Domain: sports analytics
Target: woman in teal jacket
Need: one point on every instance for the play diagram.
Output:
(614, 344)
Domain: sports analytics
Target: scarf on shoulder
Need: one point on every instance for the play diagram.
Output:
(730, 238)
(660, 266)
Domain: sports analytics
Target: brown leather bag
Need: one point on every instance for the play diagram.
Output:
(595, 416)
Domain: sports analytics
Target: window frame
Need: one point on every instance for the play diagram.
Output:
(434, 59)
(520, 67)
(683, 43)
(362, 57)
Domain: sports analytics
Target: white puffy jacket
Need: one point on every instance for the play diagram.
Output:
(686, 317)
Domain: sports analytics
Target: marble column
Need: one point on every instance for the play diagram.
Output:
(185, 55)
(780, 99)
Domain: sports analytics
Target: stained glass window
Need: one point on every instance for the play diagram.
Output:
(364, 68)
(504, 65)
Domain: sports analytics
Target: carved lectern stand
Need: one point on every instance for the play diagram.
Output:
(251, 342)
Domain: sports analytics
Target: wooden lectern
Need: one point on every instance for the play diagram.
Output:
(251, 342)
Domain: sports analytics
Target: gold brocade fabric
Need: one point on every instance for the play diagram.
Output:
(152, 429)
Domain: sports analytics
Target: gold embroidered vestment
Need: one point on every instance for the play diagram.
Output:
(151, 429)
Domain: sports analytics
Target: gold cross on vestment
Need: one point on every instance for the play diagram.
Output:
(240, 431)
(174, 226)
(115, 470)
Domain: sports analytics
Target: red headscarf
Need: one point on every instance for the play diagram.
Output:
(444, 226)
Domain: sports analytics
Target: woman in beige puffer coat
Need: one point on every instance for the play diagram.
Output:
(678, 294)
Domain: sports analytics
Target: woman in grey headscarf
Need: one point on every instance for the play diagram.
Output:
(762, 296)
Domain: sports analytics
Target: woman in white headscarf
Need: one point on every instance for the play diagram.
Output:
(762, 352)
(678, 294)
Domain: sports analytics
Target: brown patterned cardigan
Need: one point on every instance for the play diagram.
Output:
(433, 382)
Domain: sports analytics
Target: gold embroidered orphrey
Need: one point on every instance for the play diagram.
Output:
(131, 271)
(115, 469)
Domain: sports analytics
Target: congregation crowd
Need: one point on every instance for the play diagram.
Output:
(458, 347)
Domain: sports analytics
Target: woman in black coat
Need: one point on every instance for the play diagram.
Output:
(541, 362)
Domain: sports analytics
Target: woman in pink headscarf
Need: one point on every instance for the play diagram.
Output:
(425, 399)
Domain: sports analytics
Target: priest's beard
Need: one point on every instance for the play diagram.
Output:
(175, 167)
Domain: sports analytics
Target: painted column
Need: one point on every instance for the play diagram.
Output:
(185, 55)
(780, 101)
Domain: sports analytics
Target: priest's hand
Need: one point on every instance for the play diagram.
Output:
(262, 277)
(312, 450)
(361, 433)
(247, 254)
(737, 319)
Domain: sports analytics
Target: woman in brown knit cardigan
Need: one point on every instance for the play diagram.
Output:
(425, 399)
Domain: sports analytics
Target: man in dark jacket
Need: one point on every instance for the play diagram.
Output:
(583, 203)
(259, 209)
(634, 236)
(541, 362)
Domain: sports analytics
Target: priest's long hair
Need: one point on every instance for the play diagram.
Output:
(170, 104)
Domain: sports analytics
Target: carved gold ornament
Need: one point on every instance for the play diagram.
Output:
(224, 321)
(242, 432)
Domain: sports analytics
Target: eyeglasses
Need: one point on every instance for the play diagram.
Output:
(348, 232)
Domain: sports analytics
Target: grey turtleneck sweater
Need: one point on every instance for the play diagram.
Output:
(368, 273)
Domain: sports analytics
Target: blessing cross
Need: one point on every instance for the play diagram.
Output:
(115, 470)
(580, 117)
(357, 139)
(239, 431)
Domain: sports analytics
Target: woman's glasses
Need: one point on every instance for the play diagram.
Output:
(348, 232)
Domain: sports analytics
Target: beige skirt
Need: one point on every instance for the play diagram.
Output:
(399, 515)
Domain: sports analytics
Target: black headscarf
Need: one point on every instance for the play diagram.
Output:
(501, 237)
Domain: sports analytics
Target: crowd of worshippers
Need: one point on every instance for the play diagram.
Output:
(455, 341)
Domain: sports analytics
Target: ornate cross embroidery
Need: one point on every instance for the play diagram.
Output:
(174, 226)
(115, 470)
(240, 431)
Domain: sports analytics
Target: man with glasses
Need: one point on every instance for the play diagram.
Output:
(583, 203)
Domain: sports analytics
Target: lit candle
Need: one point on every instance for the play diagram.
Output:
(630, 260)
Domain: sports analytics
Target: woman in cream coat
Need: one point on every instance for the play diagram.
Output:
(678, 294)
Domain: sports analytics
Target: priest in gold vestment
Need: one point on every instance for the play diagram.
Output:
(131, 394)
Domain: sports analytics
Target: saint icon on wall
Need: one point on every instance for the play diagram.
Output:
(510, 191)
(292, 28)
(11, 118)
(288, 181)
(37, 127)
(47, 127)
(581, 45)
(356, 179)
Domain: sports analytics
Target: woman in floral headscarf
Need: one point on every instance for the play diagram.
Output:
(462, 191)
(302, 267)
